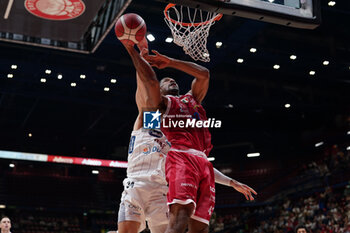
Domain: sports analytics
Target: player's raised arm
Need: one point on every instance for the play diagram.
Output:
(201, 82)
(242, 188)
(148, 92)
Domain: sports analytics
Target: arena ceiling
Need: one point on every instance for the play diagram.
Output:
(249, 97)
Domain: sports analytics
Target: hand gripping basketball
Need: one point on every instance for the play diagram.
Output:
(130, 29)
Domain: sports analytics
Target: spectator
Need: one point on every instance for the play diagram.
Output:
(301, 229)
(5, 225)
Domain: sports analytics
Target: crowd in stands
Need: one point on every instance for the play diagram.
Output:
(325, 210)
(321, 209)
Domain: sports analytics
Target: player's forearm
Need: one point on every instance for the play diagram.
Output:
(190, 68)
(143, 69)
(222, 179)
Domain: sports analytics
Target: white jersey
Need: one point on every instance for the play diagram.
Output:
(147, 154)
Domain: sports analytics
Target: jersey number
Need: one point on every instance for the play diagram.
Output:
(131, 144)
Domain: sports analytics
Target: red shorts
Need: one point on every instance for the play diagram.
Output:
(191, 180)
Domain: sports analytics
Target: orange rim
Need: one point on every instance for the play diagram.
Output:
(170, 5)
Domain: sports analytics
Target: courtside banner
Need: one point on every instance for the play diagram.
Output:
(62, 159)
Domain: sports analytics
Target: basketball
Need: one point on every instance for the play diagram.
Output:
(131, 28)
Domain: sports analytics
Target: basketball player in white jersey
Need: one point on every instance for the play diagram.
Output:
(145, 188)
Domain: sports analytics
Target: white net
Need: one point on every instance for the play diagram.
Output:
(191, 35)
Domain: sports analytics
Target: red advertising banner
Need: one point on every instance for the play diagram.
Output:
(62, 159)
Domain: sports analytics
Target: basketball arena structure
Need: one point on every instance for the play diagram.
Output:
(279, 85)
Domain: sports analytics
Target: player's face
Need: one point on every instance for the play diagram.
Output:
(168, 86)
(301, 230)
(5, 224)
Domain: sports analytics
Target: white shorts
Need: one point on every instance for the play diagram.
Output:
(143, 201)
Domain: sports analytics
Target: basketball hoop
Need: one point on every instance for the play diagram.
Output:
(191, 35)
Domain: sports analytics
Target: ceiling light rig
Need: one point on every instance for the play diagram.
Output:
(47, 71)
(113, 80)
(73, 84)
(293, 57)
(14, 67)
(82, 76)
(9, 75)
(312, 72)
(60, 76)
(240, 60)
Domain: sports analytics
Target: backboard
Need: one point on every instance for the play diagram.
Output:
(293, 13)
(72, 25)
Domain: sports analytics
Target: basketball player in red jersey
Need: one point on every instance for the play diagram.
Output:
(149, 97)
(190, 176)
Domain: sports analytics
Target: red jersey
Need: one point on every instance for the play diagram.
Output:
(179, 124)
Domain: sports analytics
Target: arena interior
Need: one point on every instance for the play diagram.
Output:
(280, 91)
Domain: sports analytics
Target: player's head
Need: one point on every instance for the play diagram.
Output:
(5, 224)
(300, 229)
(168, 86)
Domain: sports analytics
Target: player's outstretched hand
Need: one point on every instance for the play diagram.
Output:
(244, 189)
(158, 60)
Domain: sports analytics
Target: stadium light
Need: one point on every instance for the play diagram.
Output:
(293, 57)
(47, 71)
(218, 44)
(211, 158)
(331, 3)
(2, 206)
(43, 80)
(325, 63)
(287, 105)
(319, 144)
(250, 155)
(348, 148)
(30, 135)
(11, 165)
(252, 50)
(276, 67)
(348, 133)
(96, 172)
(150, 37)
(9, 75)
(169, 39)
(106, 89)
(73, 84)
(60, 76)
(240, 60)
(82, 76)
(113, 80)
(312, 72)
(13, 67)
